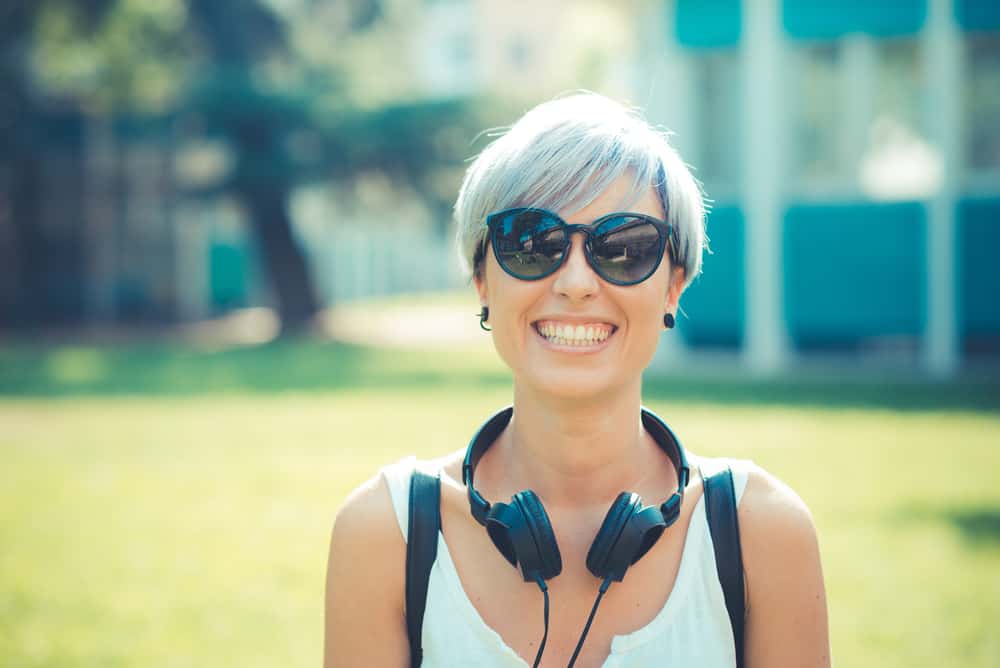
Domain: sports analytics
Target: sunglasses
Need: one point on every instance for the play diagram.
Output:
(621, 248)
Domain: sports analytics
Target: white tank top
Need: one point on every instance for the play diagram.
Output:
(692, 628)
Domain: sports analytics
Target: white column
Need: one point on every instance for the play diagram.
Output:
(942, 63)
(765, 134)
(859, 84)
(666, 91)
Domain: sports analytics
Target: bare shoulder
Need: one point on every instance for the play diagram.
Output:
(771, 509)
(776, 527)
(365, 582)
(367, 514)
(786, 603)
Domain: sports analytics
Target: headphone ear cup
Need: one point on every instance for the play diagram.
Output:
(628, 532)
(607, 536)
(502, 519)
(534, 541)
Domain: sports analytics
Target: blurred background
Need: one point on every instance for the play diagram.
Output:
(165, 162)
(228, 293)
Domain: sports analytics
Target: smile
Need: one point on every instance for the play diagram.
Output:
(569, 334)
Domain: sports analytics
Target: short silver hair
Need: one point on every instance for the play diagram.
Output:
(562, 155)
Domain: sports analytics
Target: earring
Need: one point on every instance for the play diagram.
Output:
(668, 320)
(484, 315)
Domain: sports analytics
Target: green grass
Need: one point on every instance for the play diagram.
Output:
(165, 507)
(164, 369)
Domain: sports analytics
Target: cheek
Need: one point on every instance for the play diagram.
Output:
(509, 300)
(650, 326)
(647, 303)
(646, 321)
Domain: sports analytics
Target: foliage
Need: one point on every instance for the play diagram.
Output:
(130, 56)
(270, 81)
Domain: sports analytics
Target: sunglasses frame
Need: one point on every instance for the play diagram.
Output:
(664, 230)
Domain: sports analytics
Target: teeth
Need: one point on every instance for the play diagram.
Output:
(570, 335)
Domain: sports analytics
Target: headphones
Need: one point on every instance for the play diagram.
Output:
(523, 534)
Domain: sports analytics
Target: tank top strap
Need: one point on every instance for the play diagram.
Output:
(740, 467)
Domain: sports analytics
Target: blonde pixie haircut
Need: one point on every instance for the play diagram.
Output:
(562, 155)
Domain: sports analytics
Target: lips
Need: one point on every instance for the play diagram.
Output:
(574, 334)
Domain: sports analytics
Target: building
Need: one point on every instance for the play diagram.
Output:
(852, 151)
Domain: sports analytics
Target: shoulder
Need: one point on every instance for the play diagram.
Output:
(770, 506)
(776, 528)
(785, 592)
(366, 580)
(367, 515)
(366, 547)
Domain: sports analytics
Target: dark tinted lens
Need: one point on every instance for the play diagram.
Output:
(529, 244)
(626, 249)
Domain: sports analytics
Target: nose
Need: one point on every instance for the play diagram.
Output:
(575, 279)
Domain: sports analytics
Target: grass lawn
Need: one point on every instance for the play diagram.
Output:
(164, 507)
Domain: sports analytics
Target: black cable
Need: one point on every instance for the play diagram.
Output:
(545, 635)
(586, 629)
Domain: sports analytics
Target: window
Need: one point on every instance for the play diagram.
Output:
(982, 101)
(855, 118)
(717, 101)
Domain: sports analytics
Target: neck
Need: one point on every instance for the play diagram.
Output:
(577, 451)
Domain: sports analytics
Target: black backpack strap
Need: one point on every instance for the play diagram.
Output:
(421, 551)
(720, 508)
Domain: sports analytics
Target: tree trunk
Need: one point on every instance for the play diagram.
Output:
(285, 263)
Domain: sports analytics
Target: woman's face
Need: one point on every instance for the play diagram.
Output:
(621, 325)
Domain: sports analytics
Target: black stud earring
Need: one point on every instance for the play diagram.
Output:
(484, 315)
(668, 320)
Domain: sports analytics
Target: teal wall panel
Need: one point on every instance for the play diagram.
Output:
(978, 14)
(708, 24)
(714, 303)
(830, 19)
(979, 273)
(228, 271)
(854, 272)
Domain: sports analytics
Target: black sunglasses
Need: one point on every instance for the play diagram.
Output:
(622, 248)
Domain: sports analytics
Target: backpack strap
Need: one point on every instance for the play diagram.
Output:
(720, 509)
(421, 551)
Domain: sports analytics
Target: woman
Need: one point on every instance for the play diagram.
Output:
(576, 313)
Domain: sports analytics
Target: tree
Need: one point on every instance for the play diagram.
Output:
(236, 67)
(256, 121)
(21, 107)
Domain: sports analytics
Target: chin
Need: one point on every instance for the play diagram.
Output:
(575, 384)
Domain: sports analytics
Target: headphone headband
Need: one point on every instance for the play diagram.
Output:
(657, 428)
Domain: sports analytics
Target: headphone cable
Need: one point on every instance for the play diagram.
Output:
(586, 629)
(545, 635)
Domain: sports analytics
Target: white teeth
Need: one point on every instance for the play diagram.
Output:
(570, 335)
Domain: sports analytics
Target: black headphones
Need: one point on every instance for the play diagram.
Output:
(522, 532)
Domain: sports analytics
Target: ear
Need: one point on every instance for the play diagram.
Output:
(479, 280)
(675, 289)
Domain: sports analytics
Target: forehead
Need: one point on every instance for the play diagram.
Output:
(620, 195)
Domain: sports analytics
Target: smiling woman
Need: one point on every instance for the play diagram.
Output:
(581, 227)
